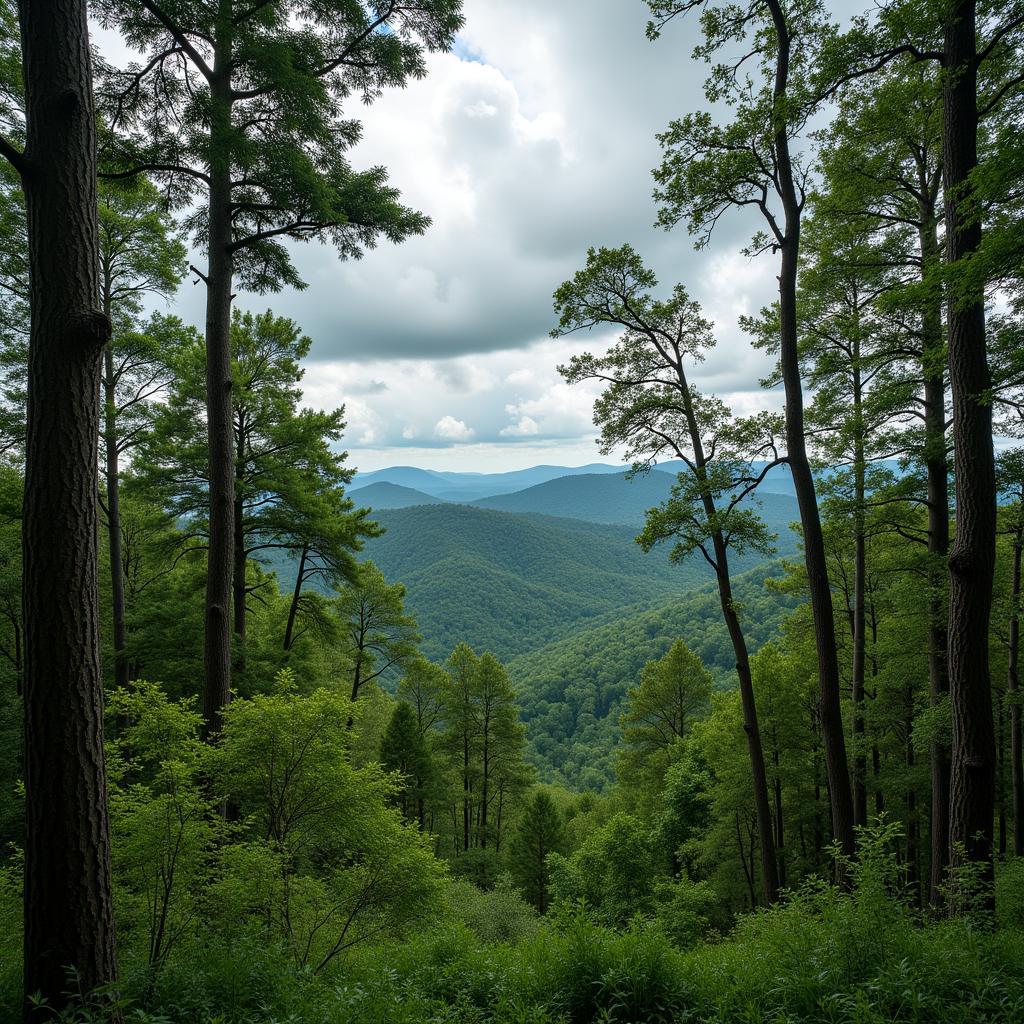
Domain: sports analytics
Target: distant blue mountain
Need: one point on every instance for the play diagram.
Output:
(452, 486)
(387, 495)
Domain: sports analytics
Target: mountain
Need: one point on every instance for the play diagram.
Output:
(425, 480)
(509, 583)
(387, 495)
(615, 498)
(571, 690)
(453, 486)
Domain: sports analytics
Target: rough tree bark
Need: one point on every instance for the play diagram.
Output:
(933, 364)
(972, 558)
(68, 914)
(220, 559)
(860, 768)
(829, 702)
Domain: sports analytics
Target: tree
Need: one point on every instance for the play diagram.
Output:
(650, 408)
(288, 479)
(674, 692)
(378, 635)
(241, 105)
(882, 169)
(403, 750)
(540, 833)
(1011, 479)
(140, 254)
(708, 169)
(68, 911)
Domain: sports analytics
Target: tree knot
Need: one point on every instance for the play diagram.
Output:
(92, 328)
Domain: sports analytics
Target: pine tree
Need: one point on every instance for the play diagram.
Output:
(540, 832)
(237, 110)
(403, 749)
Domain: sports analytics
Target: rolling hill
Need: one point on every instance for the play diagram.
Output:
(509, 582)
(387, 495)
(571, 690)
(615, 498)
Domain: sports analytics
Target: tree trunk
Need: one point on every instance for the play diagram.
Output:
(860, 768)
(238, 583)
(759, 776)
(933, 363)
(829, 701)
(220, 559)
(110, 443)
(972, 559)
(293, 608)
(1013, 687)
(68, 912)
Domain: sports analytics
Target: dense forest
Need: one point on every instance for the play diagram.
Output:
(734, 734)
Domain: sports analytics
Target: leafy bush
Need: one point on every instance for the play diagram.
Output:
(499, 915)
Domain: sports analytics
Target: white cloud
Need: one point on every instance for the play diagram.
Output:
(530, 142)
(525, 426)
(448, 428)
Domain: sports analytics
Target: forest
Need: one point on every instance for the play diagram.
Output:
(728, 731)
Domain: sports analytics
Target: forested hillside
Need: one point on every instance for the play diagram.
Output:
(572, 691)
(509, 583)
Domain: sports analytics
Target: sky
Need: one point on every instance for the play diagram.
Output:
(532, 140)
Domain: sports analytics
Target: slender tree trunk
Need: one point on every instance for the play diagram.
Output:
(747, 872)
(829, 699)
(933, 365)
(293, 608)
(780, 836)
(1001, 773)
(220, 560)
(238, 583)
(913, 822)
(68, 911)
(485, 784)
(110, 443)
(972, 559)
(860, 770)
(466, 814)
(759, 776)
(1013, 688)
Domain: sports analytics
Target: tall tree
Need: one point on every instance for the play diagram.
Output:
(882, 169)
(378, 634)
(1011, 480)
(288, 480)
(140, 255)
(68, 910)
(541, 832)
(650, 408)
(240, 104)
(403, 750)
(753, 161)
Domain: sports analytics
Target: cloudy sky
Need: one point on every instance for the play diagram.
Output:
(530, 142)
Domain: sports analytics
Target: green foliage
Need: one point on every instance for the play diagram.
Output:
(573, 690)
(541, 833)
(674, 692)
(404, 750)
(278, 134)
(612, 873)
(376, 633)
(501, 914)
